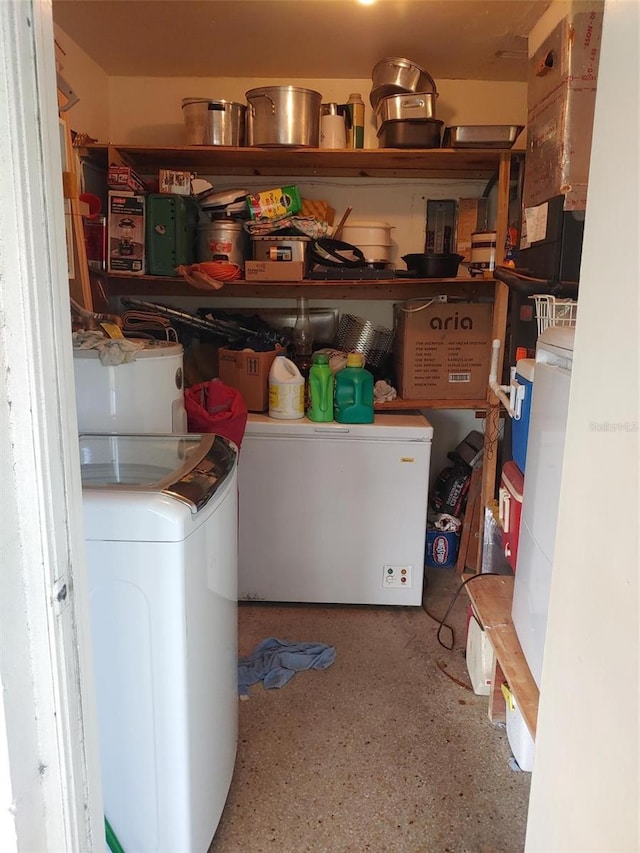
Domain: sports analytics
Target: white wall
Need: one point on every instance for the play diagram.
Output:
(148, 110)
(585, 790)
(91, 84)
(558, 10)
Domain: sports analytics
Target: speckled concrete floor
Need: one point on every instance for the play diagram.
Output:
(380, 752)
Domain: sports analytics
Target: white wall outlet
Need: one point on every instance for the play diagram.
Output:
(396, 577)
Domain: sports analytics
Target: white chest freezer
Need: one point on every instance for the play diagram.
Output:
(334, 513)
(545, 452)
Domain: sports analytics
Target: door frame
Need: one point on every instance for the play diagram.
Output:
(50, 790)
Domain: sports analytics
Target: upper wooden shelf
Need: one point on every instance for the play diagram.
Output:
(363, 163)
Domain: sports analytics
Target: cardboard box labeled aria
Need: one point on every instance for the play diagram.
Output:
(248, 372)
(443, 351)
(273, 270)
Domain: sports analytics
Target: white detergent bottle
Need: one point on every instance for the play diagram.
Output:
(286, 390)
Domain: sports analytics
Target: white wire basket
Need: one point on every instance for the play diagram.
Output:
(554, 312)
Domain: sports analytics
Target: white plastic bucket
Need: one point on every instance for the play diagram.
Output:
(286, 390)
(373, 238)
(369, 232)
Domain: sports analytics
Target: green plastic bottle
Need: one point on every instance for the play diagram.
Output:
(354, 392)
(320, 389)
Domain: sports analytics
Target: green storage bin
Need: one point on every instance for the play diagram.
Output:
(171, 232)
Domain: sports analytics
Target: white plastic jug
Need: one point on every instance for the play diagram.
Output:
(286, 390)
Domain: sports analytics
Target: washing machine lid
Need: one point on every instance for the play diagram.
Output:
(185, 468)
(557, 338)
(152, 349)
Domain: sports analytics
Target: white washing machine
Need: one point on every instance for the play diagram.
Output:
(160, 516)
(145, 395)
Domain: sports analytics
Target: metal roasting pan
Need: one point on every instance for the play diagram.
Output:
(481, 136)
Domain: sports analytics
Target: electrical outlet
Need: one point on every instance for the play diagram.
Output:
(396, 577)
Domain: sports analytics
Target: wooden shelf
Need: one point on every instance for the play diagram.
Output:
(491, 597)
(389, 289)
(440, 163)
(400, 405)
(428, 163)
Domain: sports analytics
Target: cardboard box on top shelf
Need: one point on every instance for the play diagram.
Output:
(274, 270)
(174, 182)
(248, 372)
(443, 351)
(125, 179)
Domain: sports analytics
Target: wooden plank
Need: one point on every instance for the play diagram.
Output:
(474, 558)
(473, 497)
(79, 282)
(401, 405)
(364, 163)
(497, 711)
(491, 597)
(499, 325)
(393, 289)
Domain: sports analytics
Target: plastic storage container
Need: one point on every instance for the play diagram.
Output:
(286, 390)
(354, 392)
(320, 390)
(525, 368)
(510, 510)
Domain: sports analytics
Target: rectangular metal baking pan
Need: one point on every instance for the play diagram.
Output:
(481, 135)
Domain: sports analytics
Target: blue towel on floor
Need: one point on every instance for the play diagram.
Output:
(275, 662)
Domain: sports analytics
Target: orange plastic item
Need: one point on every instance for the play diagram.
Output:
(210, 274)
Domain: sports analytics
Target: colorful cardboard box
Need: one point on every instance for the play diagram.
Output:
(126, 233)
(442, 350)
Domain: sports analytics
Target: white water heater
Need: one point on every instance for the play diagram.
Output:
(145, 395)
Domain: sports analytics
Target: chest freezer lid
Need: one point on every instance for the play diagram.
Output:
(398, 427)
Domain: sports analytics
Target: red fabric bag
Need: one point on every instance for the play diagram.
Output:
(215, 407)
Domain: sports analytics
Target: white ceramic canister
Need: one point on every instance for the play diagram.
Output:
(483, 252)
(286, 390)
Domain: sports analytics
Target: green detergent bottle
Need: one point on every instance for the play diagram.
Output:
(320, 389)
(354, 392)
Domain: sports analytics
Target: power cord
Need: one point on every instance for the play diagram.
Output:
(442, 623)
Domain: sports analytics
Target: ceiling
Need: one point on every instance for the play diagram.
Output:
(292, 39)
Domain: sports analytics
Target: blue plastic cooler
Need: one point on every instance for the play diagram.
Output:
(520, 428)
